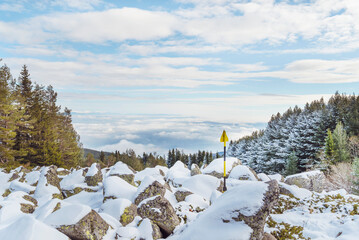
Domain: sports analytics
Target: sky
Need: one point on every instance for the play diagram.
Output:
(155, 75)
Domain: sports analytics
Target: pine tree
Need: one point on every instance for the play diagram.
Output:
(340, 140)
(8, 118)
(329, 147)
(291, 165)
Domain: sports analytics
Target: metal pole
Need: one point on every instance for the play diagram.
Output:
(224, 170)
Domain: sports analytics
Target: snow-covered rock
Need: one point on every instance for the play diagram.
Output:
(239, 213)
(28, 228)
(121, 170)
(242, 172)
(216, 167)
(115, 187)
(312, 180)
(177, 174)
(195, 170)
(78, 222)
(149, 188)
(161, 212)
(93, 175)
(121, 209)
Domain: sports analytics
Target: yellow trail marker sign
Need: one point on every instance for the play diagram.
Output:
(224, 138)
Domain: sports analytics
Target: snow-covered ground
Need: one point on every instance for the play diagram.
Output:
(34, 207)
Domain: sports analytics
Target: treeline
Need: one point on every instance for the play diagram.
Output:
(299, 134)
(129, 157)
(33, 129)
(138, 162)
(200, 158)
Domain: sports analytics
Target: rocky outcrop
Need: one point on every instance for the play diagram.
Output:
(90, 227)
(161, 212)
(195, 170)
(52, 177)
(313, 180)
(181, 195)
(257, 221)
(93, 177)
(153, 189)
(128, 214)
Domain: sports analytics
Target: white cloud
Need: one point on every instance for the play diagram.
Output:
(11, 7)
(321, 71)
(123, 145)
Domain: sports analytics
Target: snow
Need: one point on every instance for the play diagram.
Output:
(73, 180)
(202, 185)
(120, 168)
(276, 177)
(44, 191)
(246, 198)
(45, 210)
(263, 177)
(305, 174)
(153, 172)
(117, 187)
(115, 207)
(296, 191)
(28, 228)
(92, 199)
(241, 171)
(32, 177)
(147, 181)
(19, 186)
(178, 173)
(197, 201)
(67, 215)
(145, 229)
(92, 171)
(217, 165)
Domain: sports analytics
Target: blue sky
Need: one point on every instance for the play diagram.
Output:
(154, 75)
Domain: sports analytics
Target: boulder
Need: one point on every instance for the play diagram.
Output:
(181, 195)
(161, 212)
(257, 221)
(268, 236)
(149, 188)
(147, 225)
(277, 177)
(195, 170)
(239, 213)
(216, 167)
(312, 180)
(93, 175)
(242, 172)
(123, 171)
(52, 178)
(128, 214)
(78, 222)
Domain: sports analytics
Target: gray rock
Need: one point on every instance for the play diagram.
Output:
(257, 221)
(268, 236)
(154, 189)
(313, 180)
(128, 214)
(90, 227)
(127, 177)
(195, 170)
(181, 195)
(95, 179)
(161, 212)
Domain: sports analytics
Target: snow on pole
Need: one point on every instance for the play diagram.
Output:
(224, 139)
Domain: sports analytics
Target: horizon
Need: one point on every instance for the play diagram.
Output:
(156, 75)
